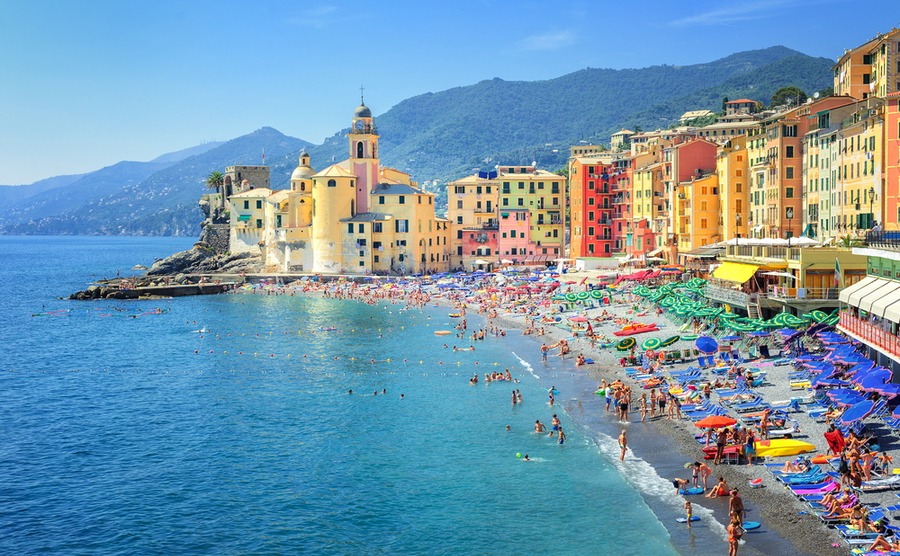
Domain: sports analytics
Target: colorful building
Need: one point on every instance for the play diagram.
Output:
(593, 195)
(353, 217)
(472, 209)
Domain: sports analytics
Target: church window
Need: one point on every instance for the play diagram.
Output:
(332, 183)
(302, 186)
(359, 150)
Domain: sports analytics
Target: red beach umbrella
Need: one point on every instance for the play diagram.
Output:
(715, 422)
(578, 319)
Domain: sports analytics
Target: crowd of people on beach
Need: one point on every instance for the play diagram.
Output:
(651, 399)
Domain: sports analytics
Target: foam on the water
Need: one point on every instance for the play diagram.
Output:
(526, 364)
(643, 477)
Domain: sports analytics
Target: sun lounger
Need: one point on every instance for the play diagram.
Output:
(881, 484)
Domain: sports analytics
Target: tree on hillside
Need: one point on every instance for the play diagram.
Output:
(724, 102)
(791, 96)
(215, 180)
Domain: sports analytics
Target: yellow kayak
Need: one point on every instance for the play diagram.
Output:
(782, 447)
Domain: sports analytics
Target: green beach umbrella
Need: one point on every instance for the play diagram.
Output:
(651, 343)
(626, 344)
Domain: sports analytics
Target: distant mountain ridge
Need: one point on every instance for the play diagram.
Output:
(435, 136)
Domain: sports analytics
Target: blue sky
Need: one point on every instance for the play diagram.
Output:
(87, 84)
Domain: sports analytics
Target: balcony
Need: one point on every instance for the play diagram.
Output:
(883, 240)
(779, 293)
(727, 295)
(871, 334)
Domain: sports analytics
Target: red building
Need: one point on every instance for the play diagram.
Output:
(595, 198)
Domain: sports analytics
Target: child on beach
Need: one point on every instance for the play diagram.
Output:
(689, 511)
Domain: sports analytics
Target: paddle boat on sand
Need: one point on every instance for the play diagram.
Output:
(778, 447)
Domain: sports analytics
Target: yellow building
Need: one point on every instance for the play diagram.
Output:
(696, 213)
(472, 208)
(353, 217)
(858, 185)
(543, 195)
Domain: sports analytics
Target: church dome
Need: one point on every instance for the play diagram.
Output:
(302, 173)
(362, 112)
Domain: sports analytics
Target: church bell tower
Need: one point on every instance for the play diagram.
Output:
(363, 138)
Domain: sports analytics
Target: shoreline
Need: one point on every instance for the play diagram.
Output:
(788, 525)
(778, 510)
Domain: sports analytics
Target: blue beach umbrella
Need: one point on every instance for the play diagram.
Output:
(758, 334)
(856, 412)
(706, 344)
(730, 338)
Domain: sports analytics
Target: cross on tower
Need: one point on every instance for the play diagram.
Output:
(361, 97)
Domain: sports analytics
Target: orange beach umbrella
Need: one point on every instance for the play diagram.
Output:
(715, 422)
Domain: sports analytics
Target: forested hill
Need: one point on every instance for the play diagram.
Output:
(444, 135)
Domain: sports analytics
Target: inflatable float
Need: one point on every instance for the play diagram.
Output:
(631, 330)
(442, 332)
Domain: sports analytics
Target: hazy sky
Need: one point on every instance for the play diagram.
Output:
(85, 84)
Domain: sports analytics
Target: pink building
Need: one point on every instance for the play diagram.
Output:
(513, 243)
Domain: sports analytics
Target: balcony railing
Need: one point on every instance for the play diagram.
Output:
(870, 333)
(883, 240)
(801, 294)
(727, 295)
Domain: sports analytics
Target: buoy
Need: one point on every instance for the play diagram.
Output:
(518, 455)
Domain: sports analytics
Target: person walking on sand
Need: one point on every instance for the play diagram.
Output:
(623, 445)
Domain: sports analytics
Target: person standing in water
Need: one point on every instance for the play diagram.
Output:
(560, 436)
(623, 444)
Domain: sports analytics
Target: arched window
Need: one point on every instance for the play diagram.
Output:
(302, 186)
(332, 183)
(359, 150)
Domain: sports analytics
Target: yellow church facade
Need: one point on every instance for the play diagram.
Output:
(353, 217)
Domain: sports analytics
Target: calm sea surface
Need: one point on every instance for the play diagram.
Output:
(128, 432)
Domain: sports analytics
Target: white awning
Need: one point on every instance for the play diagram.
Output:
(892, 312)
(655, 252)
(857, 296)
(882, 304)
(851, 290)
(886, 287)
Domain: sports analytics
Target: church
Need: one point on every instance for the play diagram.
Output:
(353, 217)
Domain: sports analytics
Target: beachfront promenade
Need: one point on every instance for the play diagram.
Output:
(783, 382)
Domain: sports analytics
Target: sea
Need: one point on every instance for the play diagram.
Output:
(225, 424)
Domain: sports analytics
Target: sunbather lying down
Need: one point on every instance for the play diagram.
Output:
(799, 465)
(881, 544)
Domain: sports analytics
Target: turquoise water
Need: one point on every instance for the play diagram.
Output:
(128, 432)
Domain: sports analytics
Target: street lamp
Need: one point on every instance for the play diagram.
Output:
(871, 207)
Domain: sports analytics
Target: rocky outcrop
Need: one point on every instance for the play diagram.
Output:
(201, 259)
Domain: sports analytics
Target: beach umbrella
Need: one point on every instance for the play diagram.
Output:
(857, 411)
(706, 344)
(730, 338)
(669, 341)
(626, 344)
(715, 422)
(758, 334)
(651, 343)
(578, 319)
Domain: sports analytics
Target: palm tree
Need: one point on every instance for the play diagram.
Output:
(215, 180)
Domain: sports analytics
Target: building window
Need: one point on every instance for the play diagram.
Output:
(332, 183)
(402, 200)
(247, 205)
(376, 227)
(259, 204)
(459, 219)
(350, 228)
(789, 172)
(459, 205)
(521, 202)
(381, 199)
(259, 222)
(401, 226)
(375, 258)
(789, 152)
